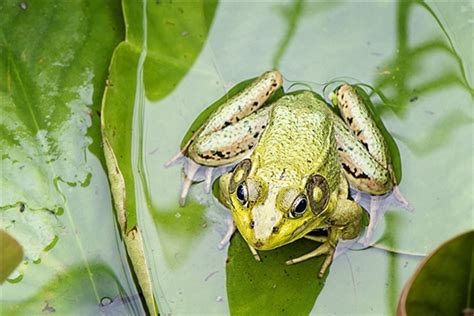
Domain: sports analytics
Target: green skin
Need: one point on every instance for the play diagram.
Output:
(300, 150)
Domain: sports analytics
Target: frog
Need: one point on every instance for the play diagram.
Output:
(289, 163)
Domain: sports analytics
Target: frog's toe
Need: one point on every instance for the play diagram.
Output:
(401, 200)
(194, 172)
(377, 206)
(230, 231)
(176, 159)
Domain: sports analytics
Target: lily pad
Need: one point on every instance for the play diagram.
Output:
(271, 287)
(443, 283)
(11, 255)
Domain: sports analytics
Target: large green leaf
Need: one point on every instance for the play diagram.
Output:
(162, 42)
(54, 196)
(444, 282)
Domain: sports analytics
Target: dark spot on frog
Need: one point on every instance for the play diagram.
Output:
(255, 103)
(413, 99)
(359, 132)
(365, 145)
(258, 244)
(220, 154)
(274, 84)
(282, 174)
(349, 120)
(256, 135)
(268, 92)
(252, 224)
(275, 229)
(340, 149)
(22, 207)
(250, 146)
(354, 172)
(308, 161)
(226, 123)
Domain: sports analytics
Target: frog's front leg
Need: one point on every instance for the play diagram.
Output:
(344, 223)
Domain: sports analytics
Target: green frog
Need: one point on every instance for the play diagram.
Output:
(292, 163)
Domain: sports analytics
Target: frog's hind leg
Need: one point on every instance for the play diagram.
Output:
(228, 134)
(365, 157)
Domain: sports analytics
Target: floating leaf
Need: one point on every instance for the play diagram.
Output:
(271, 287)
(11, 255)
(444, 282)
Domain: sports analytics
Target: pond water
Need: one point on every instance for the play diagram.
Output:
(400, 49)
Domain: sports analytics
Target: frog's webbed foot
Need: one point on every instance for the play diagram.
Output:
(327, 248)
(228, 235)
(378, 205)
(194, 172)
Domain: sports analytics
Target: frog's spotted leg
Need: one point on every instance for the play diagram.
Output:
(228, 135)
(364, 155)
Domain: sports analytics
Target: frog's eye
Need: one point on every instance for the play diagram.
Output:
(242, 193)
(299, 206)
(239, 174)
(317, 190)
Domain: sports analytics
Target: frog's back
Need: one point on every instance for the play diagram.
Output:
(298, 139)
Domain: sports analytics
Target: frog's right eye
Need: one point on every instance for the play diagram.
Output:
(242, 193)
(298, 208)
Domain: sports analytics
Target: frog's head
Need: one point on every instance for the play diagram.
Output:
(275, 212)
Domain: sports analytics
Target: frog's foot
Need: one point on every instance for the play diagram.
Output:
(326, 248)
(230, 231)
(254, 253)
(377, 206)
(194, 172)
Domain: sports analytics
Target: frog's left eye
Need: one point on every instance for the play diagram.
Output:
(299, 206)
(239, 174)
(317, 190)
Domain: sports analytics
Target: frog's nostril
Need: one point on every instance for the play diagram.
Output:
(252, 224)
(275, 229)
